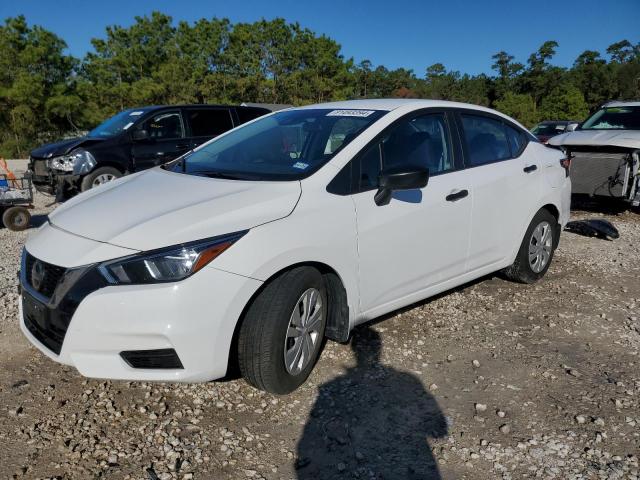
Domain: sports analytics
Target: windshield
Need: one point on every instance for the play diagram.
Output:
(116, 124)
(549, 129)
(288, 145)
(614, 118)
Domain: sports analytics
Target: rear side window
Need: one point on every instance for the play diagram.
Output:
(209, 122)
(486, 140)
(516, 139)
(246, 114)
(164, 126)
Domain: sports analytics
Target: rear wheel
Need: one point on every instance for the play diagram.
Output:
(16, 218)
(99, 177)
(283, 330)
(536, 250)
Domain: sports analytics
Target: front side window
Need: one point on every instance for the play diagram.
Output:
(614, 118)
(486, 140)
(288, 145)
(421, 141)
(209, 122)
(164, 126)
(116, 124)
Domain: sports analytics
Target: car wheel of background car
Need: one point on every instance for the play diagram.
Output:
(98, 177)
(536, 250)
(283, 331)
(16, 218)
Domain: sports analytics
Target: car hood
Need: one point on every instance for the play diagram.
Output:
(157, 208)
(600, 138)
(62, 148)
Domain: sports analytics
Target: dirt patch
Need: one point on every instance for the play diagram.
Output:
(492, 380)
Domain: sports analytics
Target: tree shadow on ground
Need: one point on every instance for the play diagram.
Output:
(371, 422)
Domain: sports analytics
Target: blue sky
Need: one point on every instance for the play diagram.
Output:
(461, 34)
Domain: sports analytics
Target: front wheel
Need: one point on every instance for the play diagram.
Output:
(283, 330)
(98, 177)
(536, 250)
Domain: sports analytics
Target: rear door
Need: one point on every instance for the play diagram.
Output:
(205, 123)
(165, 139)
(420, 239)
(505, 185)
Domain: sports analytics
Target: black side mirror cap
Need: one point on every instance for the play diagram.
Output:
(399, 178)
(139, 135)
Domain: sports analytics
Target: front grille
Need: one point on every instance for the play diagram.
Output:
(47, 325)
(44, 277)
(47, 311)
(165, 358)
(600, 173)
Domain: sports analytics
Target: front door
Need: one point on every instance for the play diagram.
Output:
(420, 239)
(165, 140)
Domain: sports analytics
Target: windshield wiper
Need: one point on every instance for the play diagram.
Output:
(216, 174)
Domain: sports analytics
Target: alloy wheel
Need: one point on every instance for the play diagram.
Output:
(540, 246)
(103, 178)
(304, 331)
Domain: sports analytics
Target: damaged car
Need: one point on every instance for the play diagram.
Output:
(604, 152)
(131, 141)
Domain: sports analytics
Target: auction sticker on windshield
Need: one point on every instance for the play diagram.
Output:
(350, 113)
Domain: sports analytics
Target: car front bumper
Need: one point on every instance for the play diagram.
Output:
(195, 317)
(49, 181)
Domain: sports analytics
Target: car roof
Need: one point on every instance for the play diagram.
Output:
(388, 104)
(148, 108)
(617, 103)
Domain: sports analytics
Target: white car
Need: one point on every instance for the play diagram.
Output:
(605, 152)
(295, 227)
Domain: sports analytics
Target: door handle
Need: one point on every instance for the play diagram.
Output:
(453, 197)
(530, 168)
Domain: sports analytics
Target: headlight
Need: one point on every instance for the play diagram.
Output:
(64, 163)
(79, 162)
(167, 264)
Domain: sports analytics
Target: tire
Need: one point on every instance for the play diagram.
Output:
(16, 219)
(98, 177)
(263, 338)
(524, 269)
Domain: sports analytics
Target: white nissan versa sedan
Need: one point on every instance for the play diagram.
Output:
(254, 247)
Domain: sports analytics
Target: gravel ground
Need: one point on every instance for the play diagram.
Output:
(492, 380)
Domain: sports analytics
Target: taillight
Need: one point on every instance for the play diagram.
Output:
(566, 164)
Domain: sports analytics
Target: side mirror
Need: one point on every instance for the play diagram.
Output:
(572, 127)
(399, 178)
(139, 135)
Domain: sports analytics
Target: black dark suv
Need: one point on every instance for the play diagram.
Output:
(130, 141)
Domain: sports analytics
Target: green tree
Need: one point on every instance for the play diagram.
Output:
(565, 102)
(592, 76)
(507, 70)
(625, 70)
(35, 80)
(520, 106)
